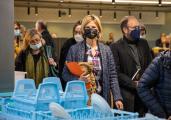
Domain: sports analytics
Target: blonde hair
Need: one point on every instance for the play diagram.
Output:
(28, 36)
(89, 18)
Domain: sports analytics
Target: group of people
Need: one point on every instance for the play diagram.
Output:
(124, 68)
(36, 54)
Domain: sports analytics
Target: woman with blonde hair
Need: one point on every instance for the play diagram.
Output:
(90, 50)
(33, 57)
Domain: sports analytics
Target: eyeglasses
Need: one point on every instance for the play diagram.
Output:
(33, 41)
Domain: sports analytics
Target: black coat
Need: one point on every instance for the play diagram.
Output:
(63, 54)
(48, 39)
(126, 68)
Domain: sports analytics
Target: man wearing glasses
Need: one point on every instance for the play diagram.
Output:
(132, 56)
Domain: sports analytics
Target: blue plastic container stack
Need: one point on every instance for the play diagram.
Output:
(26, 97)
(30, 103)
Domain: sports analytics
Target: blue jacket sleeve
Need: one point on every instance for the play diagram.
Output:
(66, 75)
(148, 81)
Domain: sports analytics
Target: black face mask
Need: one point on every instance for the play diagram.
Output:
(90, 33)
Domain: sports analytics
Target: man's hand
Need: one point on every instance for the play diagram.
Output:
(119, 105)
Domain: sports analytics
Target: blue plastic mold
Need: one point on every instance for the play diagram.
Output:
(56, 81)
(46, 93)
(75, 95)
(24, 88)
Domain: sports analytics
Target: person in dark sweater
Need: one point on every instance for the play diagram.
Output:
(77, 37)
(42, 29)
(33, 58)
(158, 77)
(131, 54)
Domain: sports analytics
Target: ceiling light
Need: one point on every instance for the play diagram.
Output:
(69, 12)
(100, 13)
(157, 14)
(36, 11)
(28, 11)
(140, 15)
(114, 15)
(59, 14)
(129, 13)
(113, 1)
(160, 3)
(88, 12)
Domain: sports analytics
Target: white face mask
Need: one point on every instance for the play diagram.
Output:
(36, 46)
(143, 36)
(78, 38)
(17, 32)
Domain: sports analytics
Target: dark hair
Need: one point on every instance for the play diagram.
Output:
(42, 25)
(18, 24)
(142, 28)
(124, 22)
(76, 24)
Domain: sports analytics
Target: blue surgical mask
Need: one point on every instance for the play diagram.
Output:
(135, 34)
(17, 32)
(36, 46)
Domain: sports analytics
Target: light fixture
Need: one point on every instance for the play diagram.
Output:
(100, 13)
(114, 15)
(59, 14)
(28, 10)
(129, 13)
(61, 1)
(157, 14)
(36, 11)
(88, 12)
(160, 3)
(69, 12)
(113, 1)
(140, 15)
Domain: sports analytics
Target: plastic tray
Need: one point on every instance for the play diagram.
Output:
(9, 117)
(14, 113)
(90, 114)
(5, 98)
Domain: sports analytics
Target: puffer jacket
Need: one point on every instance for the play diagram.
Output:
(155, 86)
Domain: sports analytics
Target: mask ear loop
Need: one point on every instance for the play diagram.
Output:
(98, 36)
